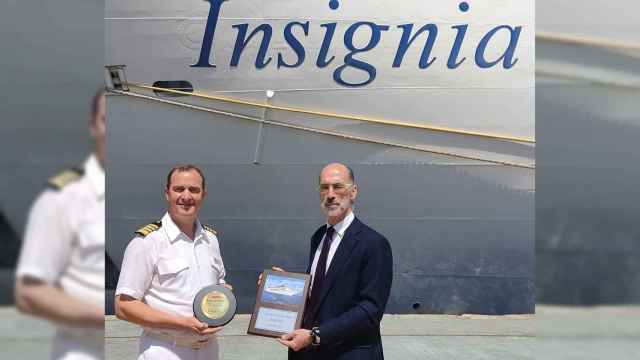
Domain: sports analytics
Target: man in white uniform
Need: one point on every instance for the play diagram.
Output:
(164, 266)
(60, 273)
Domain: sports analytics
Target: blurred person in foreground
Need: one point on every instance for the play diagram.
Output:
(164, 266)
(352, 268)
(60, 272)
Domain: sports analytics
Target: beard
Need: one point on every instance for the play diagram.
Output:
(336, 208)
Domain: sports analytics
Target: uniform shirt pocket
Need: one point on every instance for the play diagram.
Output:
(173, 272)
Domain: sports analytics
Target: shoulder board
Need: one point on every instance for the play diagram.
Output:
(65, 178)
(209, 229)
(149, 228)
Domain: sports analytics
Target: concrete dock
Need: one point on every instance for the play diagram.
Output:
(405, 337)
(553, 333)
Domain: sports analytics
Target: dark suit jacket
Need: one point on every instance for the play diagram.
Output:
(353, 296)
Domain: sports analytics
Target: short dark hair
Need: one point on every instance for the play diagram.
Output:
(183, 168)
(95, 102)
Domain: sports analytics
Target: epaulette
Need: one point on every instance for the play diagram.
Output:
(149, 228)
(209, 229)
(65, 178)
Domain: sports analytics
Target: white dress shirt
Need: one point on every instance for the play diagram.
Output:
(165, 269)
(64, 246)
(340, 228)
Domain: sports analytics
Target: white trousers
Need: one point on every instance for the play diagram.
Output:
(69, 348)
(154, 349)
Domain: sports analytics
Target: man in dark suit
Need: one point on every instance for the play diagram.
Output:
(352, 268)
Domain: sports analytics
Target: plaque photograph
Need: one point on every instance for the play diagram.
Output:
(280, 303)
(214, 305)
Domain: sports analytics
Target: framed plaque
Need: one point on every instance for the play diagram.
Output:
(214, 305)
(279, 304)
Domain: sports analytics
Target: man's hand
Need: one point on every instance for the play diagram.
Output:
(274, 268)
(211, 330)
(200, 328)
(193, 324)
(228, 286)
(296, 340)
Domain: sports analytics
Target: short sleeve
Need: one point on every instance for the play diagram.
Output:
(137, 269)
(48, 239)
(217, 258)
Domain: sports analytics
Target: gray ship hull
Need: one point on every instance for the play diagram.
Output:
(461, 242)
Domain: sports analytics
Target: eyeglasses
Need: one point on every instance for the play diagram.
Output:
(338, 188)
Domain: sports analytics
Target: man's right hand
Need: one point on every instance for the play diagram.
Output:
(274, 268)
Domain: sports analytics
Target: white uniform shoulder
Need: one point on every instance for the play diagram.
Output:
(71, 186)
(212, 235)
(139, 261)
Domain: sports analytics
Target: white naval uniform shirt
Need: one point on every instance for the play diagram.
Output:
(340, 228)
(64, 246)
(166, 269)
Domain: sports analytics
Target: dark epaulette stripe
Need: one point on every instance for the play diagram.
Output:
(149, 228)
(209, 229)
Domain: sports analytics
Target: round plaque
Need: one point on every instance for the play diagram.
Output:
(214, 305)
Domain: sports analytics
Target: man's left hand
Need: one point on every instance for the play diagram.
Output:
(296, 340)
(211, 330)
